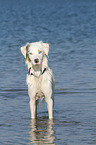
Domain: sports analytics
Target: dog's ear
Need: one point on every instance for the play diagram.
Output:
(24, 50)
(46, 48)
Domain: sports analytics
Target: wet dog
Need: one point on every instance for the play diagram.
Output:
(40, 78)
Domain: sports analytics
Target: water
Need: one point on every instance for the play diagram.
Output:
(70, 28)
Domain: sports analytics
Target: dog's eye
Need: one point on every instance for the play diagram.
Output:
(30, 53)
(39, 51)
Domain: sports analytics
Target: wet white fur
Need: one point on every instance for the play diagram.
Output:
(39, 85)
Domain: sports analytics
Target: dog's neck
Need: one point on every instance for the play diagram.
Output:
(36, 72)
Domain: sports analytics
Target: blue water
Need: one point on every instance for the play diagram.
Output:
(70, 28)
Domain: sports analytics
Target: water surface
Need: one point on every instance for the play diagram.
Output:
(70, 28)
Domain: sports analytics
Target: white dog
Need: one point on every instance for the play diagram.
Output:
(40, 79)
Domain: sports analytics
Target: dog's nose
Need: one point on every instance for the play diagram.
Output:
(36, 60)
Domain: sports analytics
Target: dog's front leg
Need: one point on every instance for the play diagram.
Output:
(33, 102)
(33, 108)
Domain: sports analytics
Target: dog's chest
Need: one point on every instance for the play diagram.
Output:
(38, 87)
(38, 82)
(35, 84)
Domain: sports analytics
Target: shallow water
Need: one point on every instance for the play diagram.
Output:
(70, 28)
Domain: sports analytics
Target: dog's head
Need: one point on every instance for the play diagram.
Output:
(35, 53)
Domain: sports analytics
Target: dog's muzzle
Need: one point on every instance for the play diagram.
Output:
(36, 61)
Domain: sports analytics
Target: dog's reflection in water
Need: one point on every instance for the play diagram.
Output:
(42, 131)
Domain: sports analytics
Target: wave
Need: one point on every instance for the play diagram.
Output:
(57, 91)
